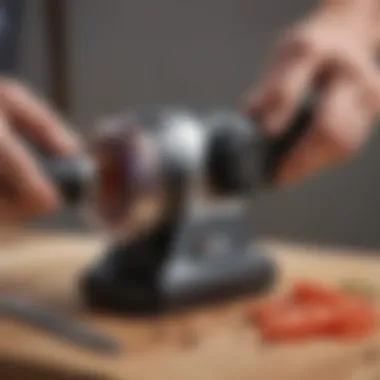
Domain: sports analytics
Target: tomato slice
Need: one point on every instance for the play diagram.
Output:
(354, 317)
(260, 311)
(309, 291)
(314, 310)
(292, 324)
(321, 317)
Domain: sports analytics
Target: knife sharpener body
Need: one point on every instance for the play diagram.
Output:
(201, 250)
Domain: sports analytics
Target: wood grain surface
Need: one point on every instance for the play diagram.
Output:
(212, 343)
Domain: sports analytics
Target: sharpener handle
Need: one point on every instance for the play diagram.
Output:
(73, 176)
(277, 149)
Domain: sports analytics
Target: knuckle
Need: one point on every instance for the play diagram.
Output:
(297, 44)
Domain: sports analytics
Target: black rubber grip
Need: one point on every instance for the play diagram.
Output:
(73, 177)
(277, 149)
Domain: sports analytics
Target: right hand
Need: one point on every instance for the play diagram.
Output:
(24, 190)
(336, 46)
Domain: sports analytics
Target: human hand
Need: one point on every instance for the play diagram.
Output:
(333, 49)
(24, 190)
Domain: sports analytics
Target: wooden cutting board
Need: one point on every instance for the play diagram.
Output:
(212, 343)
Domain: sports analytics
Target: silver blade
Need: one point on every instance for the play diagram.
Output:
(52, 322)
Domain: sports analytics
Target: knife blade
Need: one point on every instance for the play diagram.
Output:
(52, 322)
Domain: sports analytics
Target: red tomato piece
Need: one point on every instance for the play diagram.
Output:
(354, 317)
(298, 322)
(313, 292)
(314, 310)
(264, 309)
(321, 317)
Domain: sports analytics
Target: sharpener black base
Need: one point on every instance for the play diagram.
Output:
(210, 258)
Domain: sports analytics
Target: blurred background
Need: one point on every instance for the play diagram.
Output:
(123, 53)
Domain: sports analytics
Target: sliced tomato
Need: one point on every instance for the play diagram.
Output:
(314, 310)
(321, 317)
(264, 309)
(298, 322)
(313, 292)
(354, 317)
(292, 324)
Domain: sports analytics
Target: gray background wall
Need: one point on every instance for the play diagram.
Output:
(200, 51)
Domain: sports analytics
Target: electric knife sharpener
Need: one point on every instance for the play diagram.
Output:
(197, 171)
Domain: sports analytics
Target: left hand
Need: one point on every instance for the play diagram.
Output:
(25, 191)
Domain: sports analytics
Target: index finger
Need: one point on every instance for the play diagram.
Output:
(34, 117)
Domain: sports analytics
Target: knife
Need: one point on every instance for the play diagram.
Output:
(49, 321)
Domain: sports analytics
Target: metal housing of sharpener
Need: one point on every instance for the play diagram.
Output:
(199, 246)
(172, 187)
